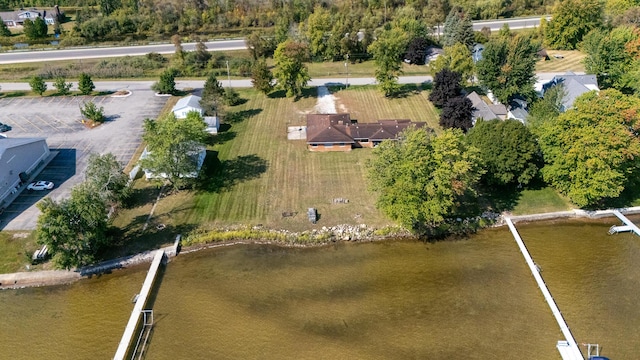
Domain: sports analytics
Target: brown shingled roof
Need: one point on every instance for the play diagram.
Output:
(337, 128)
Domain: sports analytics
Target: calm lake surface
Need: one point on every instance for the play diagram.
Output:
(466, 299)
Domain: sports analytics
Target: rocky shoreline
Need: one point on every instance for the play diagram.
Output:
(319, 237)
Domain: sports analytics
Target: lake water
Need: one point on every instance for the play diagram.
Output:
(464, 299)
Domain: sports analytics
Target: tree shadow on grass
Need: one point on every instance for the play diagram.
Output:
(499, 198)
(234, 117)
(12, 94)
(307, 92)
(141, 196)
(219, 176)
(406, 90)
(630, 195)
(223, 135)
(132, 239)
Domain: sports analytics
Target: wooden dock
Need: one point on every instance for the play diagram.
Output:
(134, 319)
(567, 348)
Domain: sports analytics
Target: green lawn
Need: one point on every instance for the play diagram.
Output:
(571, 61)
(540, 201)
(15, 248)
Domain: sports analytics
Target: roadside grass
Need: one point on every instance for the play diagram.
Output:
(15, 248)
(571, 61)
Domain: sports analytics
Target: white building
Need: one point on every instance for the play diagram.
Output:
(19, 158)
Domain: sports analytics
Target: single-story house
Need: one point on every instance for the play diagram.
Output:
(198, 156)
(17, 18)
(574, 86)
(482, 110)
(192, 103)
(19, 157)
(337, 132)
(186, 105)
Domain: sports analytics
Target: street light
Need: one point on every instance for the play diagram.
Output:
(346, 64)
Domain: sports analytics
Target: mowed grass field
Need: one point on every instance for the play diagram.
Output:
(571, 60)
(255, 174)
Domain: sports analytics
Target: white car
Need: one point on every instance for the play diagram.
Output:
(40, 185)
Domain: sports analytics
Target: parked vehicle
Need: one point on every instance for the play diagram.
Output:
(4, 128)
(40, 185)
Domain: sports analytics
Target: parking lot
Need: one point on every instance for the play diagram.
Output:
(58, 120)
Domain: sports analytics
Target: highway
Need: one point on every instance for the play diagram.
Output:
(166, 48)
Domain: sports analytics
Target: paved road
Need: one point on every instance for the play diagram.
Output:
(103, 52)
(238, 44)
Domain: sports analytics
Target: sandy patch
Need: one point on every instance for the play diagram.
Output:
(326, 101)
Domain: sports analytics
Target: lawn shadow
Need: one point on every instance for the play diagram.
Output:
(13, 94)
(277, 94)
(218, 176)
(133, 238)
(406, 90)
(234, 117)
(221, 137)
(141, 196)
(499, 198)
(306, 93)
(628, 197)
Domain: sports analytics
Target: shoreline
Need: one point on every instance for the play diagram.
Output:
(20, 280)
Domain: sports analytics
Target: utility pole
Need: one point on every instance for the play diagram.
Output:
(346, 64)
(228, 73)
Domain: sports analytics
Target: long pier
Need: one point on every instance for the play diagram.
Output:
(629, 226)
(134, 319)
(568, 348)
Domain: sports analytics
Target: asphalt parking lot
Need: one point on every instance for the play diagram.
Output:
(58, 120)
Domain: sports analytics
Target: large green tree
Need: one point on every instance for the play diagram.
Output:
(35, 29)
(509, 151)
(571, 20)
(608, 58)
(291, 72)
(387, 51)
(261, 76)
(4, 30)
(167, 82)
(173, 146)
(73, 229)
(456, 58)
(508, 67)
(106, 175)
(457, 28)
(421, 178)
(592, 151)
(212, 96)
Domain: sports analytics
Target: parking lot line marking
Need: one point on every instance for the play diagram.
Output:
(45, 122)
(31, 123)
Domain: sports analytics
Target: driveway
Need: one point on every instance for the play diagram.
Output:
(58, 120)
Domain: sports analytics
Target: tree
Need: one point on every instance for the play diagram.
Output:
(199, 57)
(105, 175)
(446, 85)
(35, 29)
(507, 67)
(180, 53)
(509, 151)
(456, 58)
(291, 72)
(109, 6)
(91, 111)
(38, 85)
(417, 50)
(85, 84)
(608, 58)
(174, 147)
(570, 21)
(421, 178)
(62, 86)
(4, 30)
(457, 29)
(318, 25)
(167, 82)
(387, 51)
(546, 109)
(457, 113)
(212, 95)
(592, 151)
(261, 77)
(74, 229)
(260, 44)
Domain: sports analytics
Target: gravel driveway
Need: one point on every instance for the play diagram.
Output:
(58, 120)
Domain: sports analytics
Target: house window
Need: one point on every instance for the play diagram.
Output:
(342, 144)
(314, 145)
(328, 145)
(364, 140)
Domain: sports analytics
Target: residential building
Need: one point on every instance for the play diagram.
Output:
(17, 18)
(573, 86)
(192, 103)
(19, 158)
(337, 132)
(199, 155)
(482, 110)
